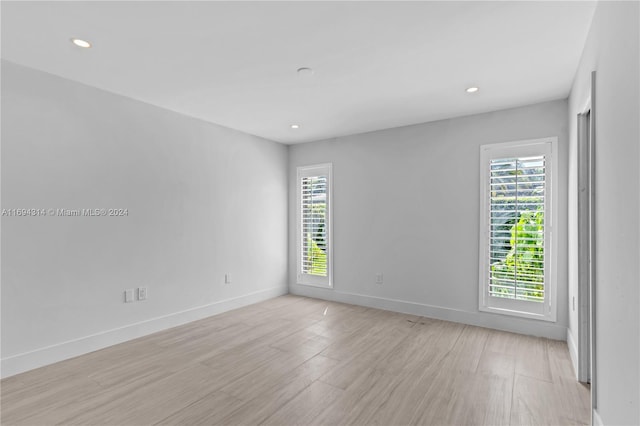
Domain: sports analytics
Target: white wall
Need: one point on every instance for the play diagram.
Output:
(202, 200)
(406, 204)
(612, 50)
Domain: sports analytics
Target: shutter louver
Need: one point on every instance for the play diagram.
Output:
(516, 243)
(314, 232)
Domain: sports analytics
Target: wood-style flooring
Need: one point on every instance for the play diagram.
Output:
(297, 361)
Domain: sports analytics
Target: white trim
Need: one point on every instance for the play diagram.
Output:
(587, 105)
(480, 319)
(307, 279)
(595, 419)
(594, 263)
(573, 352)
(546, 311)
(48, 355)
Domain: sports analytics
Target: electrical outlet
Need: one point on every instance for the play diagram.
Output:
(128, 296)
(227, 278)
(379, 279)
(142, 293)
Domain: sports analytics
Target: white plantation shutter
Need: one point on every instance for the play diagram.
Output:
(515, 242)
(314, 235)
(516, 255)
(314, 225)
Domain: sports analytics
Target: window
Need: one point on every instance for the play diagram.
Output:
(314, 225)
(517, 274)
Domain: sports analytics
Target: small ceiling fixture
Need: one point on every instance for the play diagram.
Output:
(81, 43)
(472, 89)
(295, 126)
(305, 72)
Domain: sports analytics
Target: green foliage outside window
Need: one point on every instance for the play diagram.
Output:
(316, 241)
(524, 262)
(318, 259)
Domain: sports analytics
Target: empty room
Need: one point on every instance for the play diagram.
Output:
(320, 213)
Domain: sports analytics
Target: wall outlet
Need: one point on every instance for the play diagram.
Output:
(128, 296)
(227, 278)
(379, 279)
(142, 293)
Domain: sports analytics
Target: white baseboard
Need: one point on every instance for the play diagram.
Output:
(596, 420)
(480, 319)
(48, 355)
(573, 352)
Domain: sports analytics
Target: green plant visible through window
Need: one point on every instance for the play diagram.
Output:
(318, 257)
(517, 228)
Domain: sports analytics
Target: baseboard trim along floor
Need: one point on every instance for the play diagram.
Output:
(47, 355)
(480, 319)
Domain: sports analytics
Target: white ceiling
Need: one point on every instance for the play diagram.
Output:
(377, 64)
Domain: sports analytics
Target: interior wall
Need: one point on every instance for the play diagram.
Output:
(612, 50)
(406, 204)
(202, 201)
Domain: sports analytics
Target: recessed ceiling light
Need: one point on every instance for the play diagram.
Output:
(81, 43)
(472, 89)
(295, 126)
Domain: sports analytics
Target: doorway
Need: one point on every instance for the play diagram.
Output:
(586, 244)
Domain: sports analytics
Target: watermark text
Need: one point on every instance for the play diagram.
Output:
(60, 212)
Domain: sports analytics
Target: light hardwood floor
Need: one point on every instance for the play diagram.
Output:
(294, 360)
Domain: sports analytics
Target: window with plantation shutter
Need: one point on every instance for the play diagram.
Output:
(314, 225)
(516, 250)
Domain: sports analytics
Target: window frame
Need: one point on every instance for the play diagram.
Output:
(325, 169)
(547, 310)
